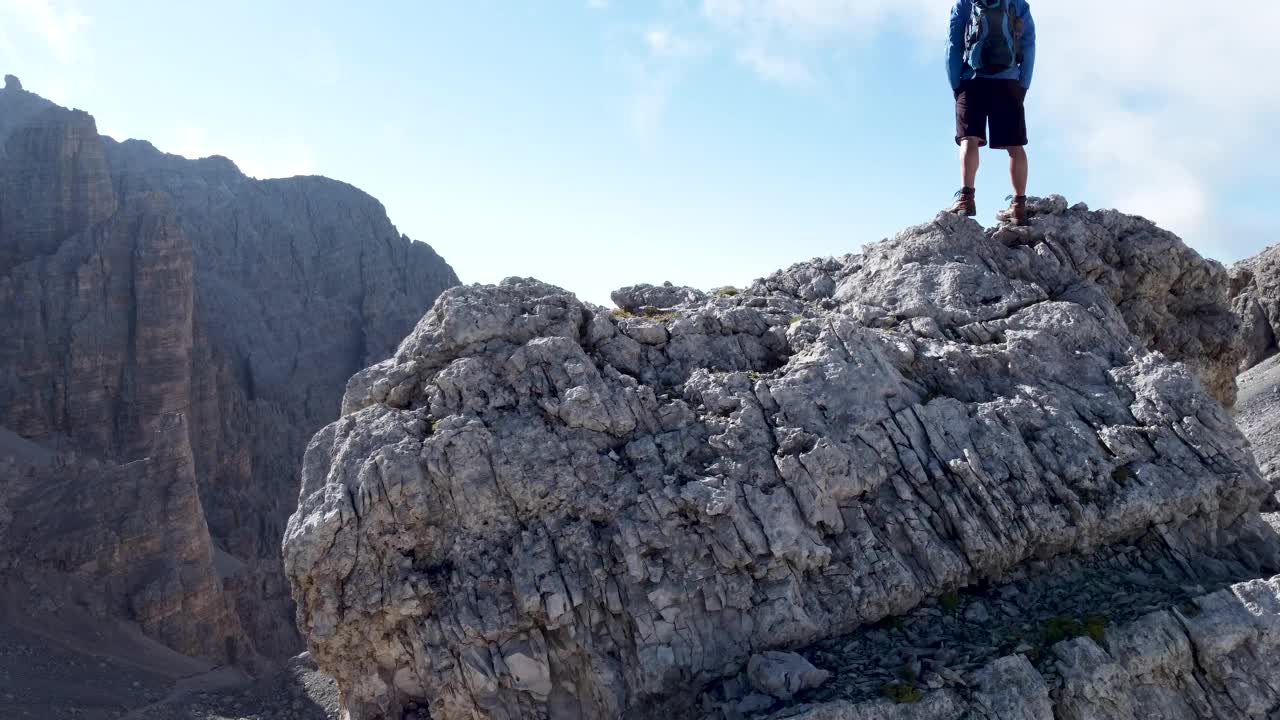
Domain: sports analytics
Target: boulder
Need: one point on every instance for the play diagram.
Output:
(638, 297)
(783, 674)
(530, 512)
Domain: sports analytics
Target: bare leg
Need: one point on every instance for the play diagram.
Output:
(965, 205)
(969, 161)
(1018, 170)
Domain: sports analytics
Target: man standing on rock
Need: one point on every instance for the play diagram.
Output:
(991, 53)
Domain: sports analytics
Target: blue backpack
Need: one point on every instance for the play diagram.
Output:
(993, 41)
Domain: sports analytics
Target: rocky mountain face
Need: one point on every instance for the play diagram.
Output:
(1255, 291)
(174, 333)
(1256, 299)
(1258, 414)
(965, 474)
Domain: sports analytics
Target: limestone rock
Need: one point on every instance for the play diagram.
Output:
(1011, 689)
(1172, 299)
(1255, 290)
(531, 511)
(137, 286)
(783, 674)
(638, 297)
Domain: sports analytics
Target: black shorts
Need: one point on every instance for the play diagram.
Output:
(998, 102)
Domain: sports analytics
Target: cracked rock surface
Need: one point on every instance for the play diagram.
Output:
(541, 509)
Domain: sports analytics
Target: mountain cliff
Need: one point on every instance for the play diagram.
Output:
(1256, 299)
(175, 332)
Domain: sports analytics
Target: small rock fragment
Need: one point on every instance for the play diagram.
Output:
(783, 674)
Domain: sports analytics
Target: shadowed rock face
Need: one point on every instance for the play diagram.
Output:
(1255, 290)
(142, 292)
(538, 508)
(56, 183)
(299, 283)
(123, 541)
(1256, 300)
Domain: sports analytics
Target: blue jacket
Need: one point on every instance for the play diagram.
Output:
(958, 71)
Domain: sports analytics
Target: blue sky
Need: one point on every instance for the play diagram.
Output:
(598, 143)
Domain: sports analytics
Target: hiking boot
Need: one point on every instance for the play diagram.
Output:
(1016, 214)
(964, 205)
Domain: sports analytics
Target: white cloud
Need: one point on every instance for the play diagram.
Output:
(815, 19)
(657, 60)
(776, 68)
(1126, 155)
(649, 103)
(58, 26)
(8, 52)
(1161, 117)
(597, 4)
(662, 42)
(282, 157)
(658, 40)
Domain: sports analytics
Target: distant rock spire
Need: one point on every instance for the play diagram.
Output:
(11, 82)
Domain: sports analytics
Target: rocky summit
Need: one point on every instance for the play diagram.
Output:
(174, 333)
(966, 473)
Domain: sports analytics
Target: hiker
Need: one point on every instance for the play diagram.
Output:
(991, 53)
